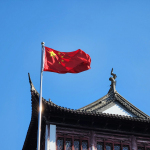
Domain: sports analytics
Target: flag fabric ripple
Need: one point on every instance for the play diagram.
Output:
(66, 62)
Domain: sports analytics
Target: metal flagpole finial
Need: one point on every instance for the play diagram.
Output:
(42, 43)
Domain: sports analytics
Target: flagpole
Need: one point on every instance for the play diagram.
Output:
(40, 98)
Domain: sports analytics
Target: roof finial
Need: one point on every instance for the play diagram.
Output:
(32, 88)
(113, 82)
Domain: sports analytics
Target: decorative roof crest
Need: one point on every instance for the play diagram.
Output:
(113, 82)
(32, 88)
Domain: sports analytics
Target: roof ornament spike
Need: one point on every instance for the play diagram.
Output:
(32, 88)
(113, 82)
(50, 100)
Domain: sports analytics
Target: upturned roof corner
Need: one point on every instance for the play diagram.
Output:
(100, 105)
(32, 88)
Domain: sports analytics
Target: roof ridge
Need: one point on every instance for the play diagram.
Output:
(108, 102)
(110, 92)
(133, 107)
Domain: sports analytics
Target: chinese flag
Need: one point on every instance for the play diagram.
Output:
(66, 62)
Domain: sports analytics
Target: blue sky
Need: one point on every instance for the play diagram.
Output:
(114, 33)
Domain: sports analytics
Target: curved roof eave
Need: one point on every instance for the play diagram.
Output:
(84, 112)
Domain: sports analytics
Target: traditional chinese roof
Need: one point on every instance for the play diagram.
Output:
(104, 103)
(109, 100)
(90, 117)
(112, 99)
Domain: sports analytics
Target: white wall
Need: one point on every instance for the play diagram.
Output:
(118, 109)
(50, 137)
(47, 138)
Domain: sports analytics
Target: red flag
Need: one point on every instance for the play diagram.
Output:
(66, 62)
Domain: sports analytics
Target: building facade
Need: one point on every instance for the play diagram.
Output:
(110, 123)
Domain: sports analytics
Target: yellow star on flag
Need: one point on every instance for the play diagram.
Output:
(52, 54)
